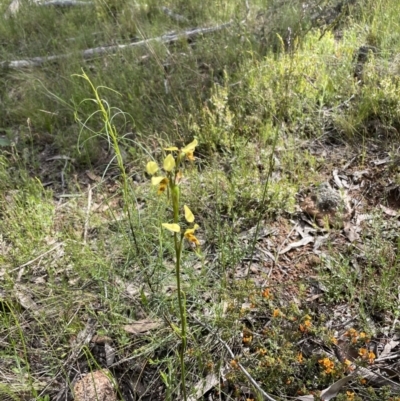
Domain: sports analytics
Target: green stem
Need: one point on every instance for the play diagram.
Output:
(181, 296)
(182, 311)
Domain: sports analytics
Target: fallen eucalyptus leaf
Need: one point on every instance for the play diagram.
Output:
(304, 241)
(333, 390)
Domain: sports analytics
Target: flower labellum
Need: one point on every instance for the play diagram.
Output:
(163, 186)
(189, 235)
(190, 157)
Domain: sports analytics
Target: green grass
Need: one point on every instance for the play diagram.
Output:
(275, 112)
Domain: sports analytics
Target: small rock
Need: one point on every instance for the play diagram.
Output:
(95, 386)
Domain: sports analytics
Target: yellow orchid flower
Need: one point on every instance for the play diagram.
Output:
(187, 149)
(162, 183)
(189, 235)
(172, 227)
(190, 147)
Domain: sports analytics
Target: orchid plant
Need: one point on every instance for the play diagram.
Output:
(168, 180)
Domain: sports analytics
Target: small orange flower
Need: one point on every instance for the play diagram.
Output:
(363, 336)
(247, 337)
(334, 340)
(353, 334)
(262, 351)
(327, 364)
(350, 395)
(363, 352)
(300, 357)
(305, 326)
(363, 381)
(276, 313)
(371, 357)
(234, 364)
(266, 293)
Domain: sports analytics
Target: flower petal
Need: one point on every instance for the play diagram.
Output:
(169, 163)
(151, 168)
(190, 147)
(156, 180)
(172, 227)
(171, 148)
(189, 216)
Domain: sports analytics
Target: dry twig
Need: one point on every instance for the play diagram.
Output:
(87, 54)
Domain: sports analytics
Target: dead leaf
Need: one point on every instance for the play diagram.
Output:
(110, 354)
(142, 326)
(337, 179)
(358, 175)
(86, 334)
(333, 390)
(204, 386)
(388, 211)
(93, 176)
(379, 162)
(304, 241)
(350, 232)
(25, 299)
(101, 340)
(387, 350)
(363, 217)
(319, 241)
(308, 397)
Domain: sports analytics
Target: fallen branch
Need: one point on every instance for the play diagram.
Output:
(65, 3)
(90, 53)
